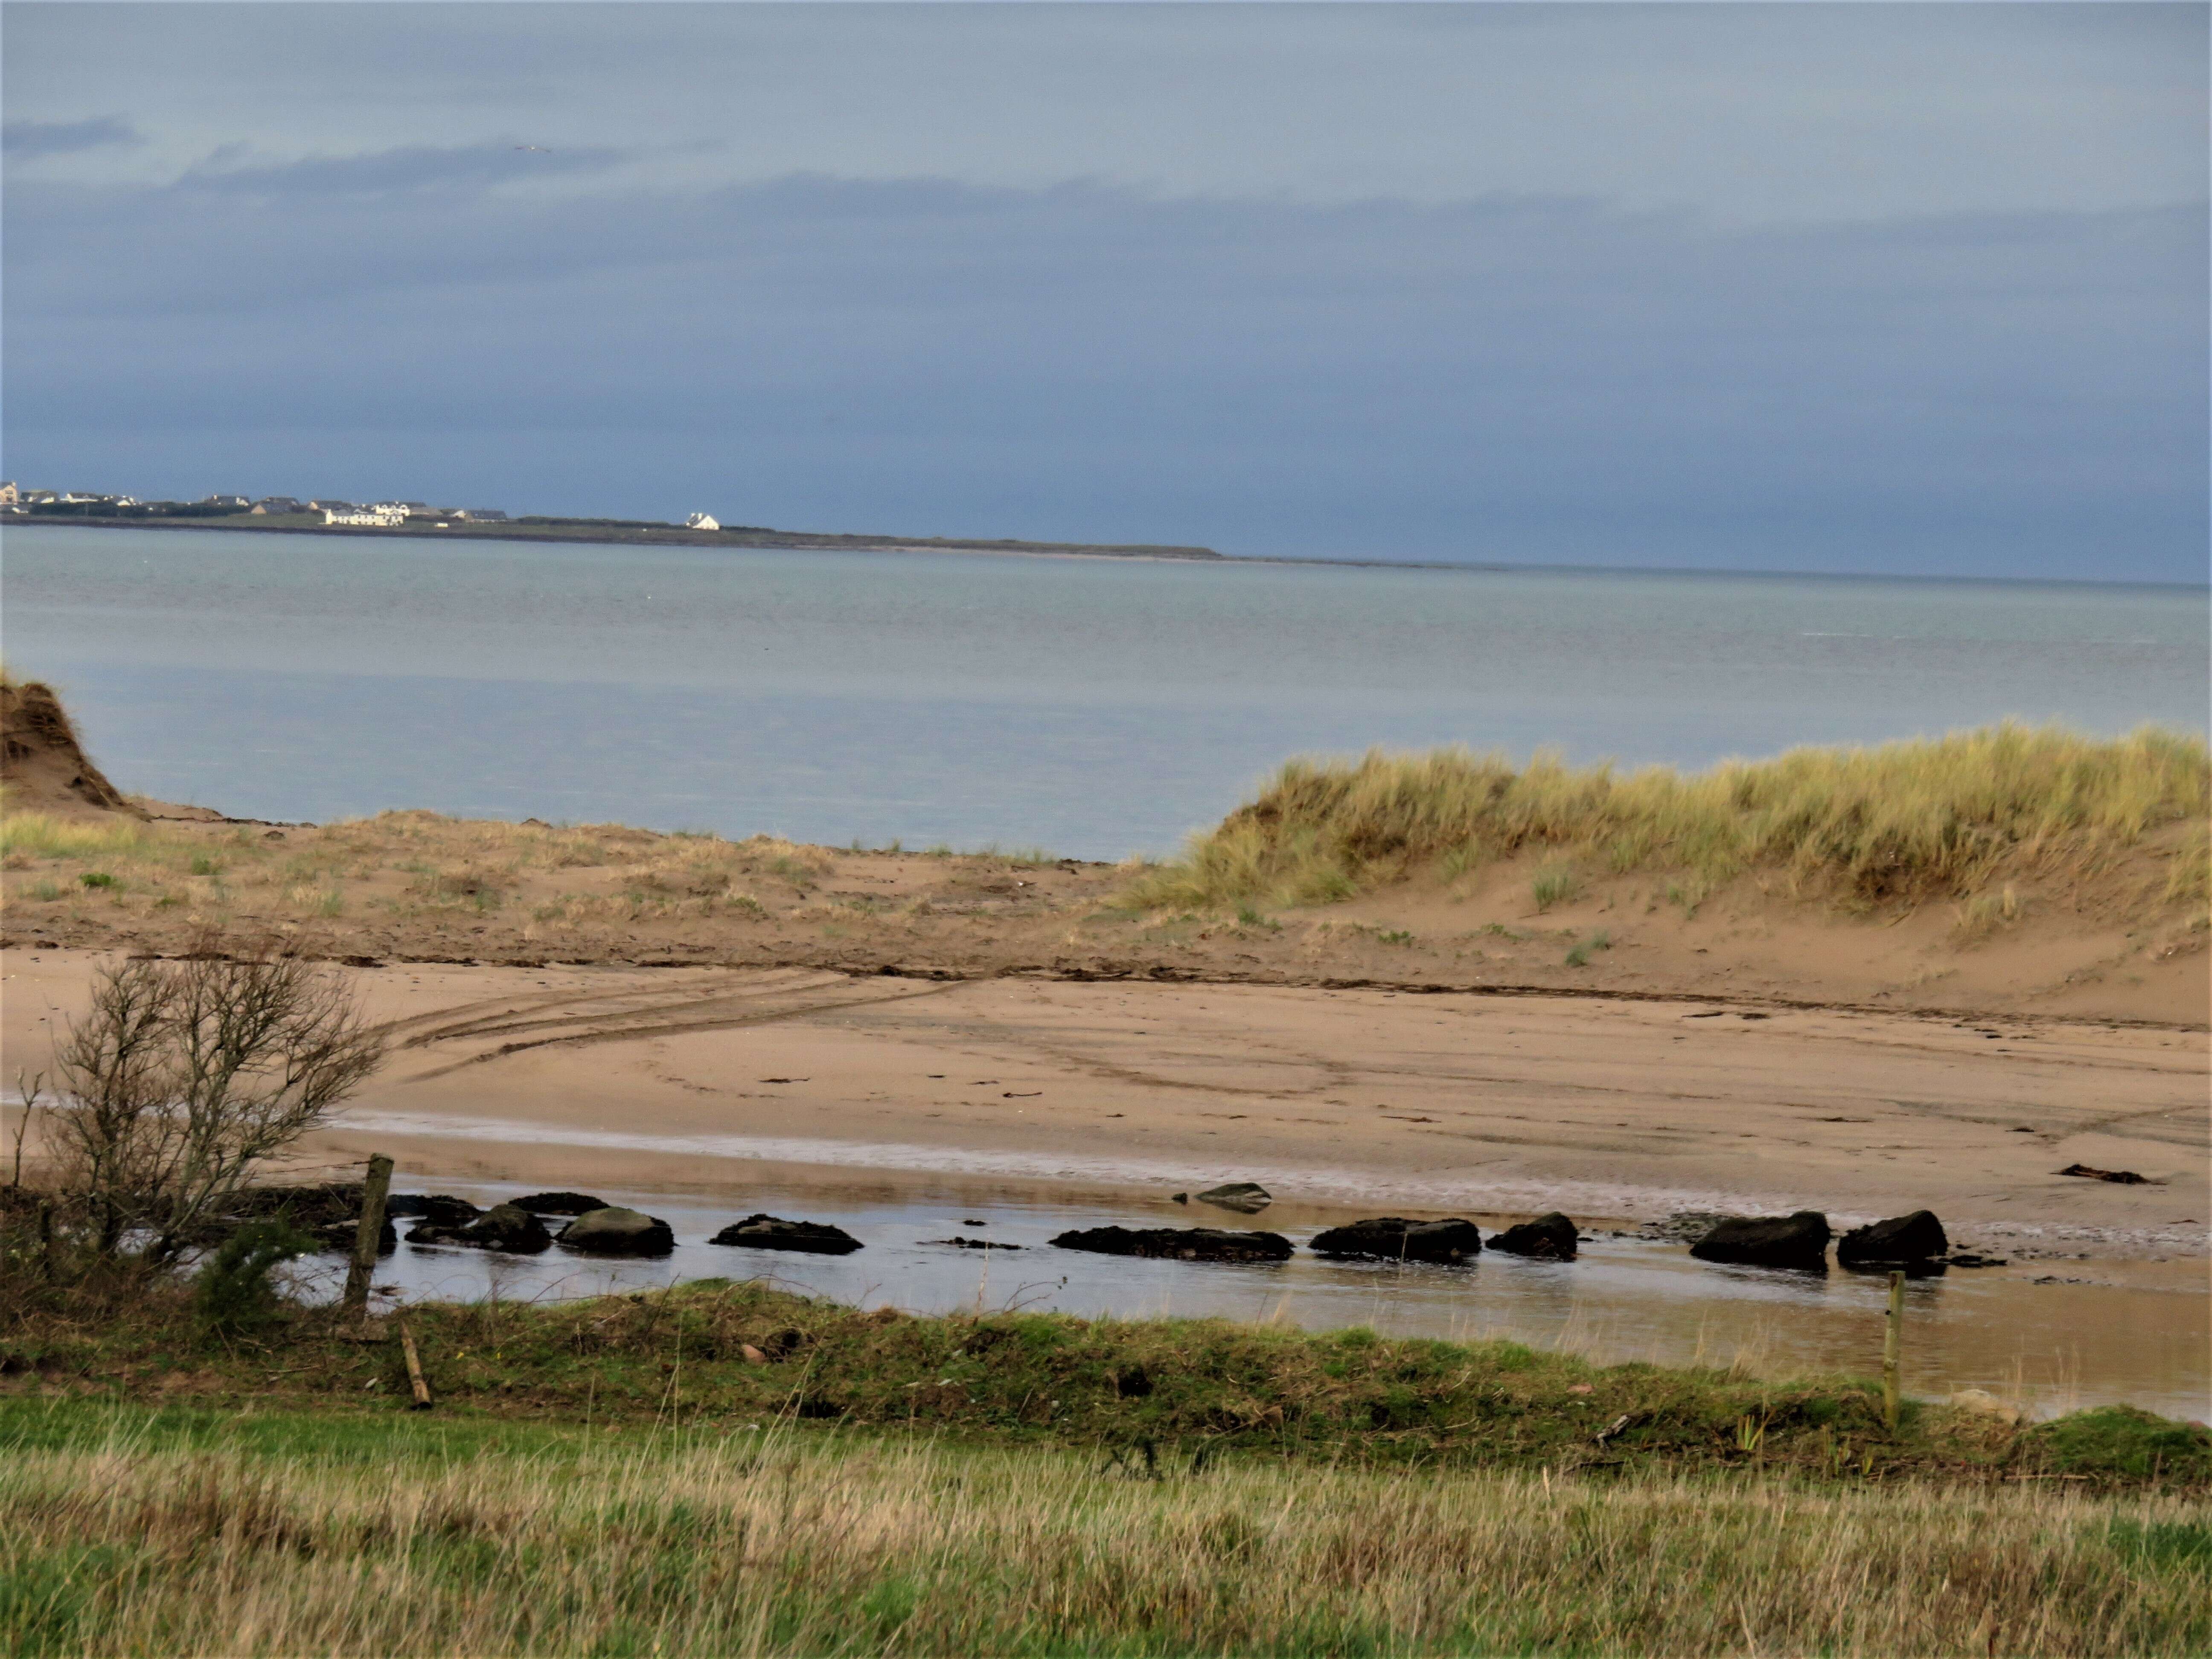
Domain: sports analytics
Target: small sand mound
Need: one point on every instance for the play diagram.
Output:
(41, 763)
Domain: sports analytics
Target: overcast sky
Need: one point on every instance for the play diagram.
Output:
(1864, 288)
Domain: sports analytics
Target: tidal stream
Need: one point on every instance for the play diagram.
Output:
(2051, 1335)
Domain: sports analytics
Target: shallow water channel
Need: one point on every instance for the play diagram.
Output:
(2133, 1332)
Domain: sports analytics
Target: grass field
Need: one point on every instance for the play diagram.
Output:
(133, 1529)
(714, 1350)
(725, 1467)
(1954, 818)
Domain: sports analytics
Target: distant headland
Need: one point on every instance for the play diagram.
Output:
(326, 516)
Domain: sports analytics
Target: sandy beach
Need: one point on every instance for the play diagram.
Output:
(1613, 1109)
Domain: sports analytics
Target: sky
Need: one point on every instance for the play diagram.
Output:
(1902, 288)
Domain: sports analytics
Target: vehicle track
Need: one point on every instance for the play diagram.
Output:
(668, 1027)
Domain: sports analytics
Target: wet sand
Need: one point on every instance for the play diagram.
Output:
(703, 1079)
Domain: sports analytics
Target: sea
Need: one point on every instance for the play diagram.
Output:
(1085, 706)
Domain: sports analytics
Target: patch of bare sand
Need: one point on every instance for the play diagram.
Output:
(1456, 1100)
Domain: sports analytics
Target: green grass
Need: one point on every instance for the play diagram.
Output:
(1579, 957)
(679, 1356)
(1555, 884)
(134, 1529)
(43, 835)
(621, 1476)
(1938, 817)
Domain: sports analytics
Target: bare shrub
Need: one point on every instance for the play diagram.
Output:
(183, 1076)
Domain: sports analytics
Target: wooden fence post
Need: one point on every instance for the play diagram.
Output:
(365, 1240)
(416, 1380)
(1892, 1350)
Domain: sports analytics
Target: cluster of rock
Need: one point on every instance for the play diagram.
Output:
(1379, 1238)
(1915, 1243)
(592, 1227)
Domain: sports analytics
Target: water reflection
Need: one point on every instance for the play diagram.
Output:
(2053, 1347)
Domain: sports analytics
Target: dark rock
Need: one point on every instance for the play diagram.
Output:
(1894, 1244)
(2125, 1178)
(340, 1236)
(1246, 1197)
(561, 1204)
(1968, 1260)
(960, 1243)
(1548, 1237)
(1182, 1198)
(611, 1230)
(436, 1207)
(768, 1233)
(1178, 1244)
(1779, 1241)
(503, 1228)
(1394, 1239)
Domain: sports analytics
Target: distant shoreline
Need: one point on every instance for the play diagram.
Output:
(584, 531)
(583, 535)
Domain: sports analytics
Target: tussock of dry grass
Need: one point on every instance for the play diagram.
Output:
(182, 1533)
(43, 835)
(405, 864)
(1931, 818)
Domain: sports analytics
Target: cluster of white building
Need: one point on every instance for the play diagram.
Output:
(381, 515)
(14, 499)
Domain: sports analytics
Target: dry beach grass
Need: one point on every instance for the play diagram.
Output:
(1950, 817)
(125, 1532)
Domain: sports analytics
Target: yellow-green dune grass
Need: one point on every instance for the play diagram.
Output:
(1926, 818)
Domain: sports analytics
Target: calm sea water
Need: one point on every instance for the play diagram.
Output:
(1094, 707)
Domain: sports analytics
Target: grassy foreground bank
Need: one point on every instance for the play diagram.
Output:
(1146, 1392)
(726, 1467)
(1931, 818)
(133, 1529)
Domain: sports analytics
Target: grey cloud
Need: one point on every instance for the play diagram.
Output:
(1507, 378)
(28, 140)
(1751, 112)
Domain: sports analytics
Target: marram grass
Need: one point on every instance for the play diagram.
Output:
(44, 835)
(1928, 818)
(126, 1530)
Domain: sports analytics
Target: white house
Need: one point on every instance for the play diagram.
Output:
(702, 521)
(383, 517)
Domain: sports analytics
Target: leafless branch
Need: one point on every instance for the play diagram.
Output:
(184, 1074)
